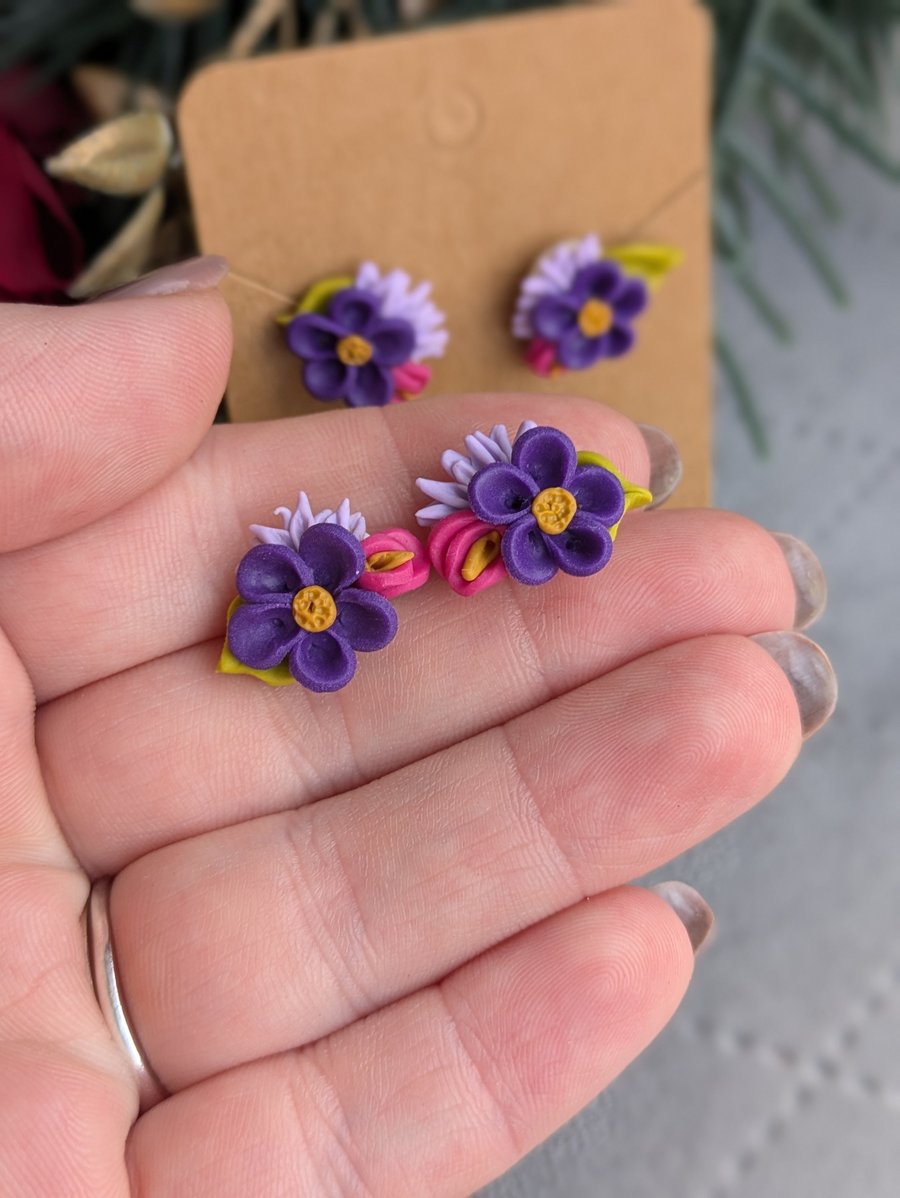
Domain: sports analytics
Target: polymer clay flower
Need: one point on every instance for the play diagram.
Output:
(363, 340)
(577, 307)
(526, 506)
(465, 551)
(305, 600)
(302, 607)
(556, 514)
(396, 562)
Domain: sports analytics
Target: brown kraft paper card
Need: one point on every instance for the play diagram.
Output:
(460, 154)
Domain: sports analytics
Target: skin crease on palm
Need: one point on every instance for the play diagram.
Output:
(352, 930)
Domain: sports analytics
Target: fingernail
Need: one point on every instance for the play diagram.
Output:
(691, 908)
(194, 274)
(809, 672)
(809, 579)
(666, 467)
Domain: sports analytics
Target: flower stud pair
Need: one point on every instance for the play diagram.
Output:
(317, 591)
(365, 339)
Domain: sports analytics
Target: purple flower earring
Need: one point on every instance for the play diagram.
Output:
(578, 305)
(364, 339)
(314, 593)
(527, 506)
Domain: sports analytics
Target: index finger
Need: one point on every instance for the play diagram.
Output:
(157, 576)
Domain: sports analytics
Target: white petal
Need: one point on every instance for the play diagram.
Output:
(478, 453)
(343, 513)
(433, 513)
(501, 436)
(271, 536)
(285, 513)
(367, 276)
(453, 494)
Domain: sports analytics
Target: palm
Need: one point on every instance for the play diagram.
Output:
(348, 927)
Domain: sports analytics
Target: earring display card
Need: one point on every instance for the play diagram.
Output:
(460, 154)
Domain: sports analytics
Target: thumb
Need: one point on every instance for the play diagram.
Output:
(100, 402)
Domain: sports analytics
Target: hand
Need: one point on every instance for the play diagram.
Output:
(351, 930)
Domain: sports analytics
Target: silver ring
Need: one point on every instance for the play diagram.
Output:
(109, 997)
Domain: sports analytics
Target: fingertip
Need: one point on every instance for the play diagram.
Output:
(101, 401)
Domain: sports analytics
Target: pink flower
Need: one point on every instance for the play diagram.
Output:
(541, 357)
(410, 380)
(465, 551)
(396, 562)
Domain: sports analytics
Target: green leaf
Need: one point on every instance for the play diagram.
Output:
(762, 303)
(743, 393)
(649, 262)
(833, 46)
(770, 187)
(780, 68)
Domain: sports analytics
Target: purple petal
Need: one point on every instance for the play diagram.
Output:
(312, 337)
(393, 341)
(269, 572)
(365, 620)
(353, 310)
(322, 662)
(525, 553)
(547, 455)
(326, 378)
(631, 298)
(577, 352)
(619, 340)
(369, 386)
(599, 492)
(261, 634)
(500, 493)
(584, 548)
(332, 555)
(554, 315)
(598, 280)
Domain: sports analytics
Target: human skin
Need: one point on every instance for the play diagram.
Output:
(351, 929)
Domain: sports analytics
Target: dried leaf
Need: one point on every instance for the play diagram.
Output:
(127, 254)
(124, 157)
(106, 93)
(173, 10)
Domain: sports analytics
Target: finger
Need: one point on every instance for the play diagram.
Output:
(63, 1083)
(193, 751)
(97, 404)
(252, 939)
(448, 1088)
(159, 576)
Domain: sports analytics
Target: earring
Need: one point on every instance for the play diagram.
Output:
(578, 305)
(526, 506)
(314, 593)
(364, 339)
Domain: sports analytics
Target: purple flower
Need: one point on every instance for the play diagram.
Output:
(593, 319)
(349, 353)
(303, 605)
(556, 515)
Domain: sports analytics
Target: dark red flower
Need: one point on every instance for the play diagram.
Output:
(40, 247)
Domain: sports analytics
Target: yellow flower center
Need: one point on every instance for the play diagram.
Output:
(389, 559)
(484, 551)
(314, 609)
(354, 350)
(595, 318)
(553, 509)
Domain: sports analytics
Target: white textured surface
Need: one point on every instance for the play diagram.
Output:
(780, 1076)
